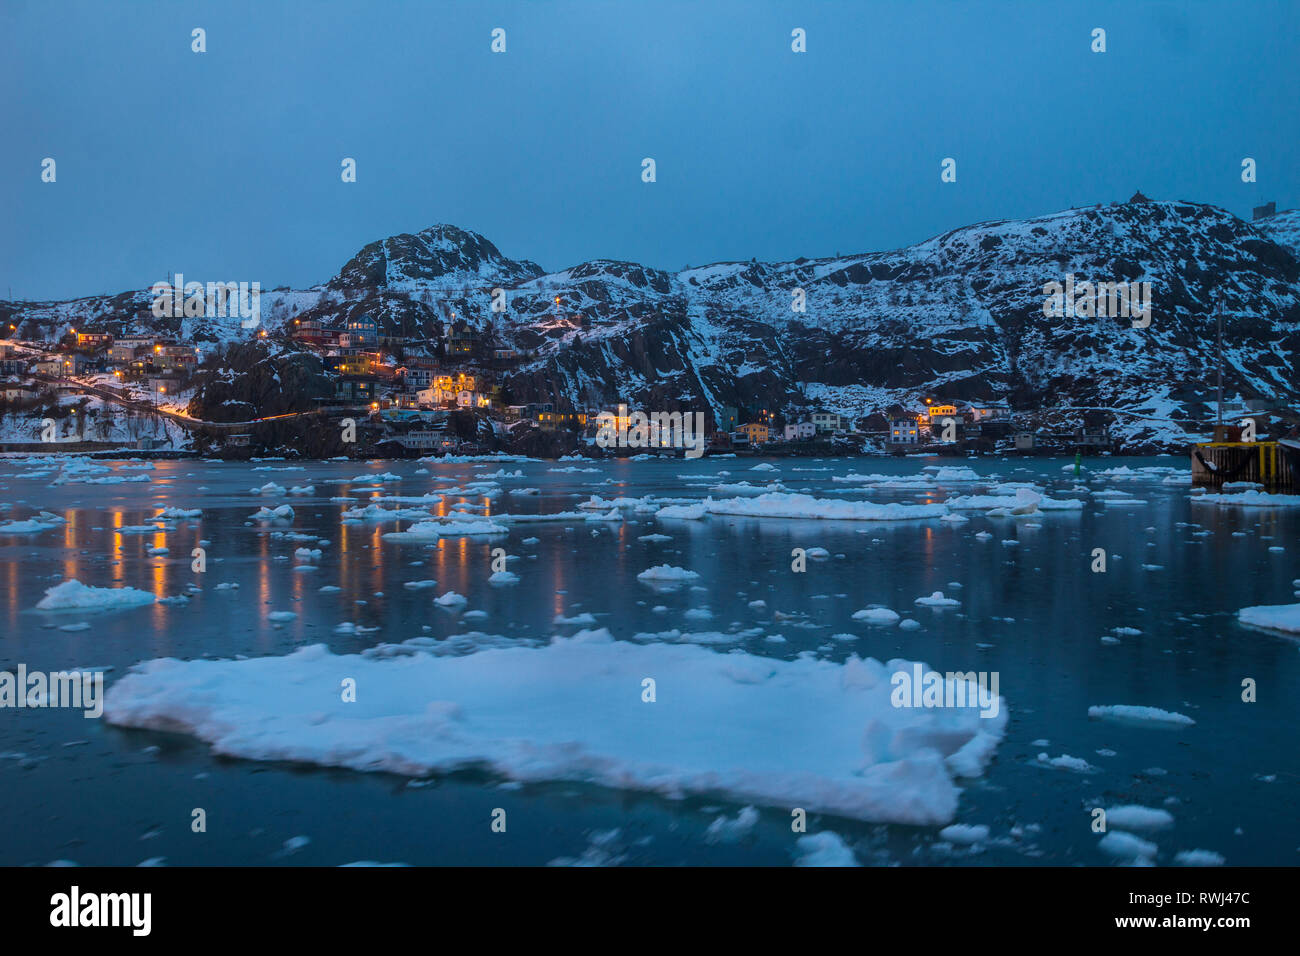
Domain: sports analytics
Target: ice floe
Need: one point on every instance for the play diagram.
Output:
(72, 594)
(1276, 617)
(1129, 713)
(851, 753)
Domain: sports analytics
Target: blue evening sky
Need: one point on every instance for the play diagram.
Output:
(225, 165)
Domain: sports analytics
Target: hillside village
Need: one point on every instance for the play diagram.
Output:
(406, 391)
(437, 343)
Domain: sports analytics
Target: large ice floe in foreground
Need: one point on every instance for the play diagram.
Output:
(803, 733)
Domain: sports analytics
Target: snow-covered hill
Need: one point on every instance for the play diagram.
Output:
(958, 316)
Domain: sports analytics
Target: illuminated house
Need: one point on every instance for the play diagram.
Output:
(358, 334)
(903, 431)
(355, 389)
(461, 341)
(171, 356)
(310, 332)
(69, 363)
(125, 350)
(755, 434)
(93, 341)
(935, 413)
(362, 363)
(448, 389)
(417, 376)
(553, 420)
(621, 418)
(987, 411)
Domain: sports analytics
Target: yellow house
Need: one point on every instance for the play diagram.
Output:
(937, 412)
(451, 388)
(359, 364)
(454, 383)
(553, 420)
(756, 433)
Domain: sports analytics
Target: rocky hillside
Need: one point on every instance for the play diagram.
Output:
(1283, 228)
(958, 316)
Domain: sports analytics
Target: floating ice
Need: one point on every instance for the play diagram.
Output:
(42, 522)
(877, 615)
(282, 513)
(432, 530)
(691, 512)
(451, 600)
(1134, 817)
(176, 513)
(573, 710)
(1249, 499)
(667, 572)
(1277, 617)
(1126, 846)
(72, 594)
(781, 505)
(964, 833)
(1198, 858)
(723, 830)
(824, 849)
(1066, 762)
(1136, 714)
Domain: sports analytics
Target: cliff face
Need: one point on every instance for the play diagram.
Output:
(258, 380)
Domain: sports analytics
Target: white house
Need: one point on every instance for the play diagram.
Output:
(987, 411)
(801, 431)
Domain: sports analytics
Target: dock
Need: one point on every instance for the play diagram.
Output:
(1273, 464)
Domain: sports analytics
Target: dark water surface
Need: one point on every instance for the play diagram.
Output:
(81, 790)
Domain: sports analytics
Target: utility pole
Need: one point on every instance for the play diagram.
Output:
(1218, 431)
